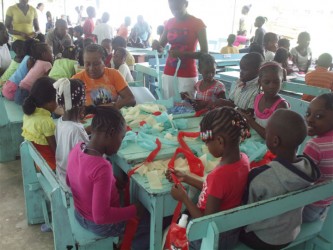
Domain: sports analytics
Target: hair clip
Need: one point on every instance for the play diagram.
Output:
(206, 135)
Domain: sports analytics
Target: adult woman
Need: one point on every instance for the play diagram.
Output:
(302, 54)
(22, 20)
(183, 33)
(104, 86)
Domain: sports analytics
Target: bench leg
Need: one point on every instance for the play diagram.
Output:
(156, 222)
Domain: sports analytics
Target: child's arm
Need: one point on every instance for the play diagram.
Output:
(188, 179)
(52, 142)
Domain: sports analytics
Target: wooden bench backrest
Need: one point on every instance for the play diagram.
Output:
(304, 89)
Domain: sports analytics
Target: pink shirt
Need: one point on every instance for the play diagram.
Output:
(40, 68)
(210, 94)
(94, 189)
(220, 183)
(183, 36)
(320, 150)
(88, 28)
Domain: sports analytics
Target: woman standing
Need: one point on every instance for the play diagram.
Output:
(22, 21)
(183, 33)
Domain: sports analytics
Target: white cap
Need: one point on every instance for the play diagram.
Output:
(183, 221)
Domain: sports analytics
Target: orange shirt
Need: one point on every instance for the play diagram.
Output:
(320, 77)
(104, 89)
(123, 31)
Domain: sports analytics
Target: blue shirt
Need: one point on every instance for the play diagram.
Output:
(21, 71)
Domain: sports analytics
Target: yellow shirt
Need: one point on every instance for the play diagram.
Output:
(130, 60)
(21, 22)
(229, 50)
(38, 126)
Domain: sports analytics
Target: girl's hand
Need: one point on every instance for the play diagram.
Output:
(178, 193)
(184, 96)
(180, 175)
(199, 104)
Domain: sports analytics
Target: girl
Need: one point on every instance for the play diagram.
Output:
(91, 180)
(38, 126)
(222, 130)
(69, 131)
(319, 118)
(270, 80)
(118, 62)
(39, 64)
(282, 57)
(260, 32)
(302, 54)
(64, 67)
(208, 90)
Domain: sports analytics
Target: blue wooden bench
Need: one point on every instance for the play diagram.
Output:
(11, 116)
(315, 235)
(48, 202)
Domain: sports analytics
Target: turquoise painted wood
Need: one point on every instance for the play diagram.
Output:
(231, 68)
(316, 235)
(11, 116)
(227, 59)
(56, 201)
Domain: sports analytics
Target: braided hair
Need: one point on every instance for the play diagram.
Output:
(227, 121)
(78, 94)
(92, 48)
(106, 119)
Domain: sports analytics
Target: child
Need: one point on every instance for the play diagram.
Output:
(11, 86)
(119, 41)
(89, 25)
(69, 131)
(38, 126)
(20, 51)
(39, 64)
(78, 32)
(230, 49)
(91, 180)
(222, 130)
(260, 32)
(118, 62)
(320, 77)
(64, 67)
(208, 90)
(302, 54)
(270, 80)
(319, 118)
(271, 45)
(107, 45)
(103, 30)
(86, 43)
(285, 131)
(284, 43)
(5, 57)
(282, 57)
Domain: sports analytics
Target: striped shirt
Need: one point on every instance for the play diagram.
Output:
(320, 77)
(244, 94)
(320, 150)
(211, 93)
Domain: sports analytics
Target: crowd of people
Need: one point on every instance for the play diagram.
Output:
(45, 78)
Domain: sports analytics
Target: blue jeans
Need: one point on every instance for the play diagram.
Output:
(312, 213)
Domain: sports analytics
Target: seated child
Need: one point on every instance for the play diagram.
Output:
(20, 51)
(119, 41)
(319, 118)
(270, 80)
(5, 57)
(230, 49)
(92, 182)
(38, 126)
(11, 85)
(282, 57)
(284, 43)
(222, 130)
(107, 45)
(247, 87)
(302, 54)
(69, 129)
(64, 67)
(86, 42)
(208, 90)
(134, 40)
(320, 77)
(78, 33)
(39, 64)
(118, 62)
(285, 131)
(254, 47)
(270, 45)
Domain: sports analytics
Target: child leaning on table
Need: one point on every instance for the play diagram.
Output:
(222, 130)
(38, 126)
(319, 118)
(208, 90)
(64, 67)
(71, 97)
(285, 131)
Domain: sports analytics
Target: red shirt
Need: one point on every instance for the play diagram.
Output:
(183, 36)
(88, 28)
(227, 183)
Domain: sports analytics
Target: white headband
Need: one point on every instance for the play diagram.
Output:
(63, 87)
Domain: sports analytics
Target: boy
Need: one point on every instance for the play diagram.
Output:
(285, 131)
(320, 77)
(119, 41)
(271, 45)
(107, 45)
(230, 49)
(118, 62)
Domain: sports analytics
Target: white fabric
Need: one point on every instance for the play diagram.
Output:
(41, 21)
(103, 31)
(63, 87)
(67, 135)
(269, 56)
(5, 58)
(185, 84)
(125, 72)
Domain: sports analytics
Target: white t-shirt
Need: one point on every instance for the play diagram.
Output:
(124, 71)
(41, 21)
(67, 135)
(269, 56)
(103, 31)
(5, 58)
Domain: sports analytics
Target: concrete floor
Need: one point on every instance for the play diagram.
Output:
(15, 233)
